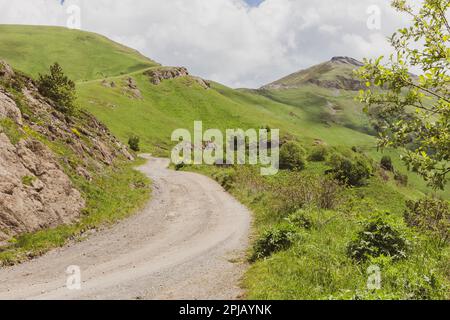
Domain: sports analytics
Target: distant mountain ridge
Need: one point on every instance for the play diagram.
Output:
(337, 73)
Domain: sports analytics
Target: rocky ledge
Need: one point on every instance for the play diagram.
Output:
(157, 75)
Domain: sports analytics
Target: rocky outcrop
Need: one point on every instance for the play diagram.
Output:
(341, 83)
(8, 108)
(131, 89)
(203, 83)
(108, 84)
(40, 149)
(157, 75)
(6, 72)
(35, 192)
(347, 60)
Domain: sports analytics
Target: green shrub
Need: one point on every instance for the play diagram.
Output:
(379, 237)
(408, 279)
(356, 149)
(59, 88)
(179, 166)
(273, 240)
(133, 142)
(11, 129)
(28, 180)
(386, 163)
(318, 154)
(76, 132)
(420, 286)
(300, 219)
(401, 178)
(298, 190)
(430, 215)
(291, 157)
(225, 179)
(352, 171)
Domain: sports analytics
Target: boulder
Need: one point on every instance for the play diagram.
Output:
(9, 109)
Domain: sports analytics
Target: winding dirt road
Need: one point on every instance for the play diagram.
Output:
(183, 245)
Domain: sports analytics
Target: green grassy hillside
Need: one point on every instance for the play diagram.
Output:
(177, 103)
(83, 55)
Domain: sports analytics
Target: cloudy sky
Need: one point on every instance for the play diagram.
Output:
(241, 43)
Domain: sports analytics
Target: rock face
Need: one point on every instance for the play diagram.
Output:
(35, 189)
(131, 89)
(157, 75)
(347, 60)
(8, 108)
(341, 83)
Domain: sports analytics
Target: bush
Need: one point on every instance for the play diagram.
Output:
(28, 180)
(76, 132)
(318, 154)
(59, 88)
(378, 238)
(401, 178)
(11, 130)
(430, 215)
(273, 240)
(291, 157)
(179, 166)
(298, 190)
(328, 193)
(356, 149)
(386, 163)
(352, 171)
(225, 179)
(133, 142)
(300, 219)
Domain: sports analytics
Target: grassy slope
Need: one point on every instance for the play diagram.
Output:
(179, 102)
(83, 55)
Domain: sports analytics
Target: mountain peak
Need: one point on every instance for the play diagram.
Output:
(338, 73)
(347, 60)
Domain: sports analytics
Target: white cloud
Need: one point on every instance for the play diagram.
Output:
(225, 40)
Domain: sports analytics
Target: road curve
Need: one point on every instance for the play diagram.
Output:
(183, 245)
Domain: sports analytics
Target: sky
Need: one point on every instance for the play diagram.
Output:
(240, 43)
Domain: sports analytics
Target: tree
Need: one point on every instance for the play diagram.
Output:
(351, 171)
(59, 88)
(413, 112)
(133, 142)
(430, 214)
(386, 163)
(291, 157)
